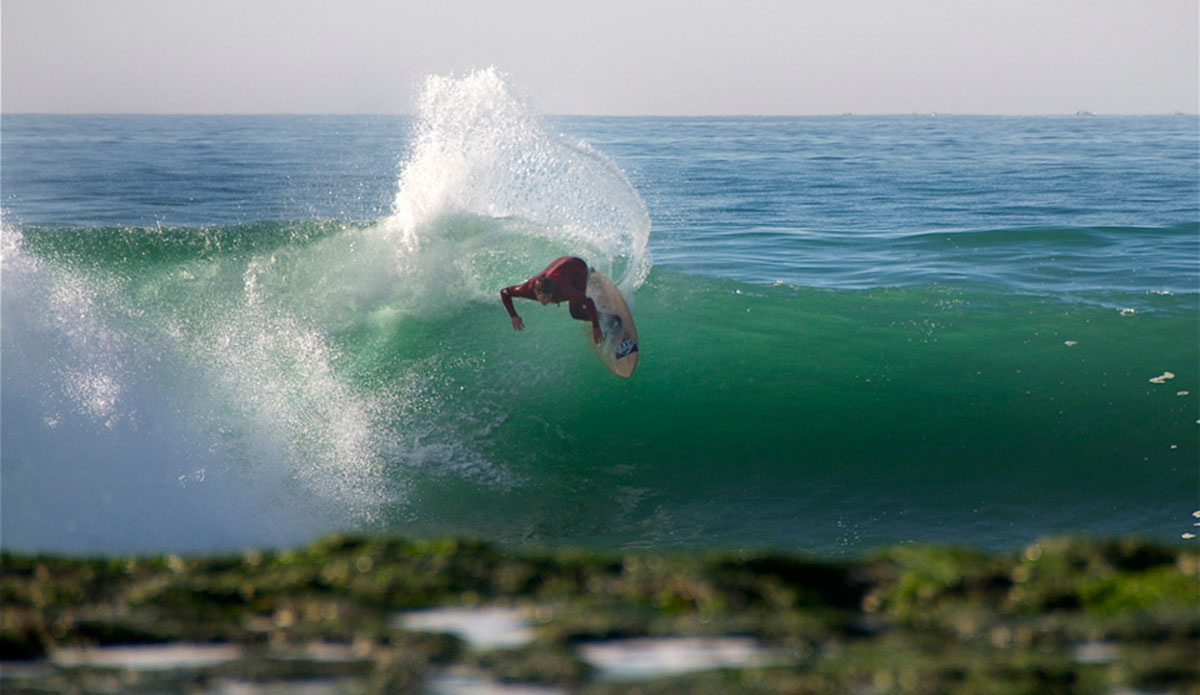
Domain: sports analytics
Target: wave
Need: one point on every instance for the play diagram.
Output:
(1033, 259)
(200, 387)
(293, 366)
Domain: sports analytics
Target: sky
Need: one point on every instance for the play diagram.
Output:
(617, 57)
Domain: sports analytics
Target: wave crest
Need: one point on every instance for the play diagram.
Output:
(480, 150)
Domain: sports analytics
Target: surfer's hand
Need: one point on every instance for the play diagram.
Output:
(596, 334)
(518, 324)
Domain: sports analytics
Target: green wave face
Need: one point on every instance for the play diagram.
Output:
(385, 386)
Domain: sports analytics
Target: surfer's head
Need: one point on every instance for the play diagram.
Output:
(543, 289)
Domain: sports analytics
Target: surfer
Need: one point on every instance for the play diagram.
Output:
(565, 279)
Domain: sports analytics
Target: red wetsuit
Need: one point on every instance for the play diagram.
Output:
(569, 275)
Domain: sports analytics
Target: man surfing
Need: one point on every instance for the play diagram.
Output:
(565, 279)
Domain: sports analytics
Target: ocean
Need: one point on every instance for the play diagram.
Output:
(222, 332)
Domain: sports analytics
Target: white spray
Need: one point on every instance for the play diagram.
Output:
(480, 150)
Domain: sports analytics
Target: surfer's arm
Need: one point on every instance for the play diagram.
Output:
(581, 299)
(591, 309)
(506, 296)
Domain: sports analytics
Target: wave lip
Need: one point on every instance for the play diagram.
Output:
(1045, 259)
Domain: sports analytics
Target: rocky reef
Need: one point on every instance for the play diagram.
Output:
(385, 615)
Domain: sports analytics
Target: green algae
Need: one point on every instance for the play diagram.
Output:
(1062, 615)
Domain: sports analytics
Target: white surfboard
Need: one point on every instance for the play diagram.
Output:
(619, 348)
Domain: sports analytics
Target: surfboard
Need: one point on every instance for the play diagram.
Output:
(619, 348)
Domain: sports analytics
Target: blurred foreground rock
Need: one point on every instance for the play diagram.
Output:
(378, 615)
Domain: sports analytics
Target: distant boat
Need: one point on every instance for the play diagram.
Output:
(1085, 113)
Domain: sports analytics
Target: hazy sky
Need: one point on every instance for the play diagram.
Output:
(609, 57)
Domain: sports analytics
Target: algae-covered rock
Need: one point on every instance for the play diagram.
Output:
(1062, 615)
(543, 663)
